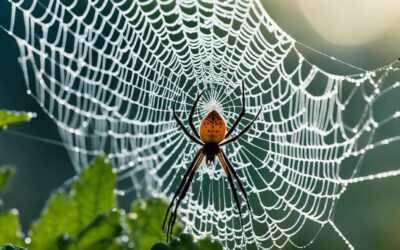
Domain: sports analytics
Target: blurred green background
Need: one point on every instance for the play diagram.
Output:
(356, 31)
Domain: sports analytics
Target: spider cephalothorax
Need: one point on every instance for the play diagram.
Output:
(212, 137)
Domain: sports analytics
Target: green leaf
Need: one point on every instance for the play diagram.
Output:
(186, 242)
(145, 221)
(58, 220)
(94, 192)
(103, 233)
(11, 247)
(9, 118)
(9, 228)
(67, 217)
(5, 174)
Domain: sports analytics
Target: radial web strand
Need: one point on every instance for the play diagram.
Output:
(108, 71)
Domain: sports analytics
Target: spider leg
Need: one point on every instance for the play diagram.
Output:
(194, 139)
(178, 191)
(242, 113)
(192, 113)
(242, 132)
(234, 191)
(182, 195)
(232, 170)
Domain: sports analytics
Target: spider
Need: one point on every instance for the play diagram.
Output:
(212, 137)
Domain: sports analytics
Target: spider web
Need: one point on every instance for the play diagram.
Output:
(107, 73)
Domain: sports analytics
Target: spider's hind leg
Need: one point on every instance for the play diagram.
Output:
(178, 191)
(185, 184)
(232, 170)
(234, 191)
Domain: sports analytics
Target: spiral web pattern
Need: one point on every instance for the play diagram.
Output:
(108, 71)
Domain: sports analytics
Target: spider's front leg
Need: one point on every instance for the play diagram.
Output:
(242, 113)
(192, 113)
(194, 139)
(243, 131)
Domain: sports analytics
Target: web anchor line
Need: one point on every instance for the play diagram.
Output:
(371, 177)
(36, 138)
(349, 245)
(332, 58)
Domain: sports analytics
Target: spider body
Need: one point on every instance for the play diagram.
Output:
(212, 137)
(212, 132)
(213, 128)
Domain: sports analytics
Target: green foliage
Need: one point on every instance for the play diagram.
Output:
(94, 193)
(104, 232)
(9, 223)
(145, 221)
(9, 118)
(58, 220)
(186, 242)
(9, 228)
(5, 174)
(68, 220)
(85, 217)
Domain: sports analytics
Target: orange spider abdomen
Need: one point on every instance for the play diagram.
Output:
(213, 128)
